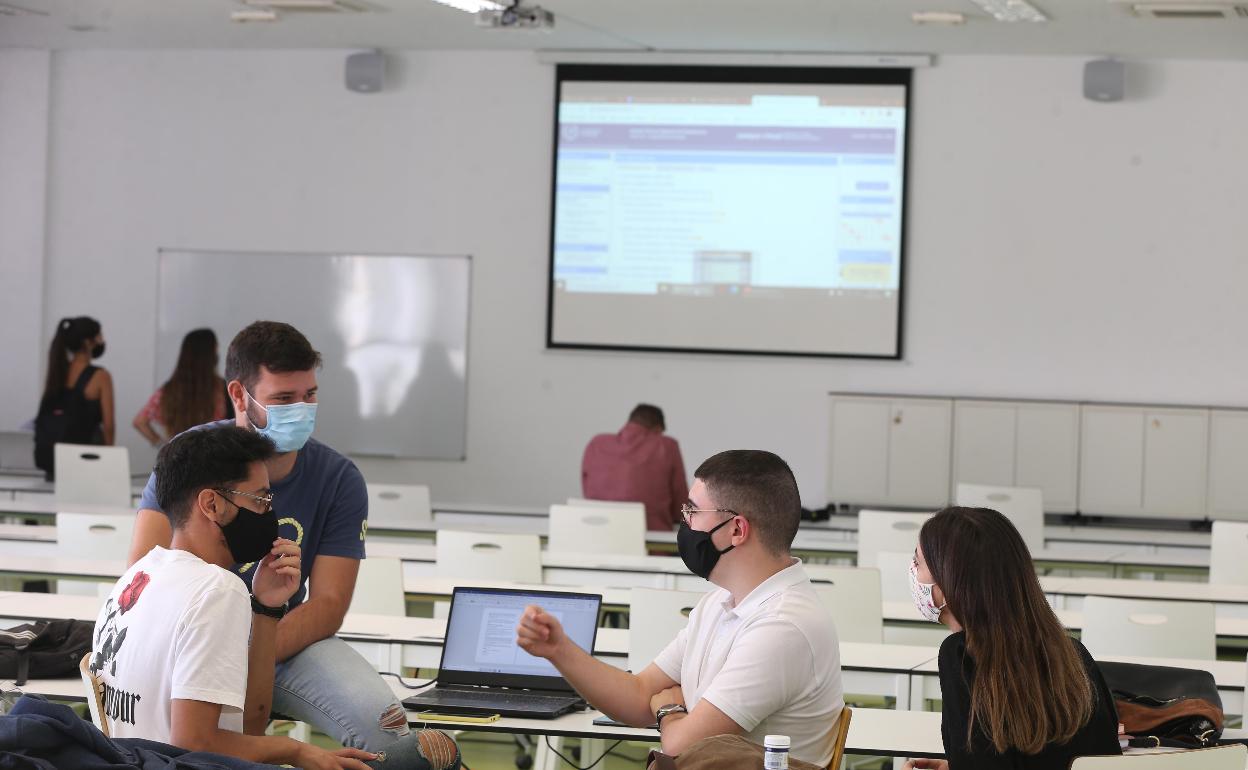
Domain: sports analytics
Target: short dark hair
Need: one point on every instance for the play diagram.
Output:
(277, 346)
(205, 459)
(759, 486)
(648, 415)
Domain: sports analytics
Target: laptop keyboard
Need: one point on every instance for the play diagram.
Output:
(487, 699)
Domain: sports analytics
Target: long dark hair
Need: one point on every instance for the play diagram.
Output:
(188, 398)
(70, 335)
(1030, 685)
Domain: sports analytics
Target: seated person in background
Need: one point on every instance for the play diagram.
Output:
(638, 464)
(171, 642)
(1018, 692)
(760, 653)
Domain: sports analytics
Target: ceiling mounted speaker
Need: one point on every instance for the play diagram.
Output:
(1104, 80)
(366, 72)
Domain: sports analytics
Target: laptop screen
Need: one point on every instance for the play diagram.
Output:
(481, 647)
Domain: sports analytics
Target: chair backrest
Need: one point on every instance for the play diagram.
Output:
(1148, 628)
(398, 504)
(96, 475)
(1217, 758)
(894, 567)
(379, 588)
(852, 595)
(887, 531)
(1024, 506)
(1226, 554)
(95, 693)
(488, 556)
(597, 529)
(616, 504)
(655, 617)
(841, 735)
(93, 535)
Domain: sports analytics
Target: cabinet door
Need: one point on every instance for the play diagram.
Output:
(983, 443)
(1111, 460)
(858, 462)
(1176, 445)
(919, 452)
(1047, 453)
(1228, 464)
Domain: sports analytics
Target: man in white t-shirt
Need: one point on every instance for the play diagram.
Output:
(172, 640)
(759, 655)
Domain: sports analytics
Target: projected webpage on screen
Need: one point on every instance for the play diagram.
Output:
(729, 216)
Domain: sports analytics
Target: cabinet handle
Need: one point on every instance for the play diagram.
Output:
(897, 418)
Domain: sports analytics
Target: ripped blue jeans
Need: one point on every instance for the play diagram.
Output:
(331, 687)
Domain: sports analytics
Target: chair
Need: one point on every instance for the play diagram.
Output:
(393, 505)
(94, 475)
(852, 595)
(1226, 555)
(95, 693)
(655, 617)
(1024, 506)
(894, 567)
(1146, 628)
(483, 556)
(1217, 758)
(101, 537)
(842, 734)
(597, 529)
(379, 588)
(887, 531)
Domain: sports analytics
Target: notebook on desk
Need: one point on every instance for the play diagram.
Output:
(483, 670)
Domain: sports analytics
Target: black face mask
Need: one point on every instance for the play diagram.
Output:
(97, 351)
(250, 536)
(697, 551)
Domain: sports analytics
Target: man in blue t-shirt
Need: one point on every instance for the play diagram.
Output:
(322, 505)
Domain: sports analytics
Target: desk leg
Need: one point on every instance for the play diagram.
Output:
(902, 692)
(543, 757)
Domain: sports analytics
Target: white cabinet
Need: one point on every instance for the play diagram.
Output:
(1228, 464)
(890, 451)
(1019, 444)
(1143, 461)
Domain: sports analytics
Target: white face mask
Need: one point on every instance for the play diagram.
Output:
(922, 593)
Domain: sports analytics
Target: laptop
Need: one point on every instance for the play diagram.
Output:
(484, 671)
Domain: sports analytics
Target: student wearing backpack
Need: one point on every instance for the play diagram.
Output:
(77, 404)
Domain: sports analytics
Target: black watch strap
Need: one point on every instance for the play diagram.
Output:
(277, 613)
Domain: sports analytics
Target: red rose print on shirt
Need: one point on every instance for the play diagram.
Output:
(130, 596)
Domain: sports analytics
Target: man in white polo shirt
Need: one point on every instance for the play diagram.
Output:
(759, 655)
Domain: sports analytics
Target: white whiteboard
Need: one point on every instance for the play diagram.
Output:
(392, 330)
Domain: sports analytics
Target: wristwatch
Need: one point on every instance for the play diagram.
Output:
(277, 613)
(671, 708)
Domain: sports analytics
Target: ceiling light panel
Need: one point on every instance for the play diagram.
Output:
(472, 6)
(1011, 10)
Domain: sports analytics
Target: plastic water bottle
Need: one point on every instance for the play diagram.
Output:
(776, 752)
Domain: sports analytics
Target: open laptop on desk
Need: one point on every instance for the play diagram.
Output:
(484, 670)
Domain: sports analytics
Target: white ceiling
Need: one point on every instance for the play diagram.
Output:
(1077, 27)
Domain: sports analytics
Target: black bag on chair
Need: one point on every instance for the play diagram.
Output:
(1163, 706)
(48, 649)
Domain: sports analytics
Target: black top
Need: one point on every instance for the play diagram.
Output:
(957, 671)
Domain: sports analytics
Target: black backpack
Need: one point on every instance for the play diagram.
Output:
(64, 418)
(47, 649)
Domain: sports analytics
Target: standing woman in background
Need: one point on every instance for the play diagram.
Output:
(77, 404)
(193, 394)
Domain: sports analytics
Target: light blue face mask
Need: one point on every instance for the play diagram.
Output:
(288, 425)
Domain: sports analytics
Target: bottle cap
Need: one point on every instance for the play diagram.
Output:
(776, 742)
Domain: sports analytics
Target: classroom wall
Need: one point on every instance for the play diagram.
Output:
(1057, 248)
(23, 176)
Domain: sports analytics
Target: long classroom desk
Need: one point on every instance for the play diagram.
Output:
(395, 642)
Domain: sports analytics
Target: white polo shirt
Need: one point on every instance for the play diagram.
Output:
(772, 664)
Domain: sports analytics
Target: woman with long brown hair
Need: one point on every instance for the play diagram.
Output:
(1017, 691)
(77, 403)
(194, 394)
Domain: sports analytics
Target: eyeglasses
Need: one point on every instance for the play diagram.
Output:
(264, 500)
(687, 511)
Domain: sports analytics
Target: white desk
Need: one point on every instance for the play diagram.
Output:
(1065, 588)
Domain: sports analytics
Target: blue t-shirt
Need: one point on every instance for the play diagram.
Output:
(322, 505)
